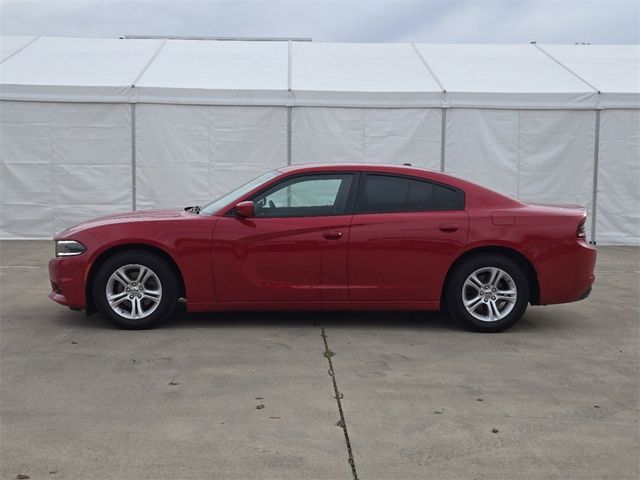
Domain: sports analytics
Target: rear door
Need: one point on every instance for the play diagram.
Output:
(404, 235)
(295, 246)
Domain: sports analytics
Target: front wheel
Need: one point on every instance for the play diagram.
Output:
(488, 293)
(135, 289)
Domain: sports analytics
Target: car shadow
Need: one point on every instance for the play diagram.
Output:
(334, 319)
(533, 321)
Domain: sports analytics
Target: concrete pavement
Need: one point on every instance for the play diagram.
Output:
(555, 397)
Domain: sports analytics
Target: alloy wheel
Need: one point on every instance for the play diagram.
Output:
(134, 291)
(489, 294)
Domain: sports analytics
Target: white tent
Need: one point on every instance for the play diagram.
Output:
(91, 126)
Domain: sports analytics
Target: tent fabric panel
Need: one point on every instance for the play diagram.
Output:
(555, 158)
(218, 65)
(65, 93)
(78, 62)
(91, 134)
(366, 135)
(610, 68)
(209, 97)
(169, 133)
(482, 146)
(523, 100)
(26, 132)
(96, 185)
(247, 141)
(498, 69)
(538, 156)
(32, 220)
(358, 67)
(173, 149)
(11, 44)
(20, 181)
(618, 200)
(91, 161)
(206, 151)
(256, 73)
(88, 191)
(308, 98)
(403, 136)
(619, 101)
(26, 183)
(169, 187)
(61, 164)
(320, 135)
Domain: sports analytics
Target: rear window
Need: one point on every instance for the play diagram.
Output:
(390, 193)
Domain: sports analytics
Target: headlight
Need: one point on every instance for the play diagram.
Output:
(69, 248)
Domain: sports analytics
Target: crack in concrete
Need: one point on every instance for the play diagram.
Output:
(342, 423)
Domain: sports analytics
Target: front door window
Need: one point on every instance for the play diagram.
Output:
(311, 195)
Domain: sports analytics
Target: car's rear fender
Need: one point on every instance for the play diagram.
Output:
(504, 250)
(546, 236)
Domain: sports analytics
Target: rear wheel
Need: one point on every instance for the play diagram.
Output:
(135, 289)
(488, 293)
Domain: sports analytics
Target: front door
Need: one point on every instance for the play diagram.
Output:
(293, 249)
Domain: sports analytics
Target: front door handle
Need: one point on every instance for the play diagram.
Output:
(332, 235)
(448, 228)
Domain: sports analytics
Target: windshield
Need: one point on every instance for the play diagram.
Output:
(226, 199)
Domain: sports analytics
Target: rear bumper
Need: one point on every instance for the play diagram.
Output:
(569, 276)
(67, 276)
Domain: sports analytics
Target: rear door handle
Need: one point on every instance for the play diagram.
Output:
(448, 228)
(332, 235)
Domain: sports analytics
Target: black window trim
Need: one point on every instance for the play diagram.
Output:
(349, 206)
(363, 178)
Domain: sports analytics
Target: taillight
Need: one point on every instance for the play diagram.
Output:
(582, 233)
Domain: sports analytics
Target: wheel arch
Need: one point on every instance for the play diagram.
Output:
(111, 251)
(511, 253)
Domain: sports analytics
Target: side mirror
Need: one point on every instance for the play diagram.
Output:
(245, 209)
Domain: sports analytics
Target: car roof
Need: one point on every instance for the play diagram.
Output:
(376, 167)
(370, 167)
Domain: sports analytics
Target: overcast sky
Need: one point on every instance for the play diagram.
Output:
(480, 21)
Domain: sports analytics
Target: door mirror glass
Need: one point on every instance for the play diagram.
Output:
(245, 209)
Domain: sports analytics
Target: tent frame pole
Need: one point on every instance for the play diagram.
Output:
(596, 159)
(15, 52)
(443, 138)
(133, 156)
(291, 97)
(595, 89)
(289, 114)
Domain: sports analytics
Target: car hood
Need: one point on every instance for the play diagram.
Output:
(127, 217)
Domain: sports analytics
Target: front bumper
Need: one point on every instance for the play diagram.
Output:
(67, 276)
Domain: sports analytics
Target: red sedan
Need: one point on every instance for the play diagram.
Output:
(331, 237)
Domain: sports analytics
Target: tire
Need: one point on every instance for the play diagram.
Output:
(492, 309)
(152, 292)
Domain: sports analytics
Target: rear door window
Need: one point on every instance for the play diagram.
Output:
(393, 193)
